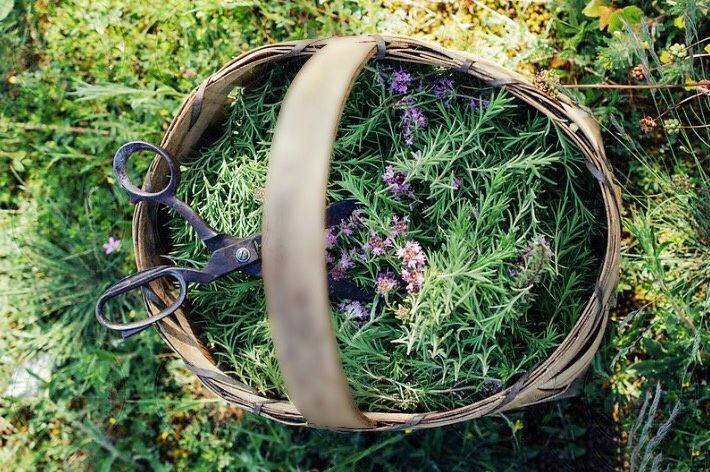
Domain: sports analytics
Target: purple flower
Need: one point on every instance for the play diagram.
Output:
(456, 183)
(444, 89)
(112, 245)
(397, 183)
(349, 225)
(412, 255)
(385, 283)
(412, 119)
(479, 103)
(406, 102)
(340, 267)
(400, 81)
(345, 261)
(355, 311)
(413, 278)
(400, 226)
(442, 86)
(376, 244)
(337, 272)
(346, 227)
(416, 117)
(331, 237)
(408, 136)
(545, 244)
(413, 260)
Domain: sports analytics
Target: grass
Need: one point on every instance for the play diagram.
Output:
(125, 405)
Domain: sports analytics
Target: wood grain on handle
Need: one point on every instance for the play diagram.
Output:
(295, 274)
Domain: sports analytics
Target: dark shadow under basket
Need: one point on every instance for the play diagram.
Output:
(295, 287)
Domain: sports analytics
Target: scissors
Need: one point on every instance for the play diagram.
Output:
(229, 253)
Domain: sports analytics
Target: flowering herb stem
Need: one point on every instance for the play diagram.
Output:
(477, 233)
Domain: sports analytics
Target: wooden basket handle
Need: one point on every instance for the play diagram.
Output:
(293, 228)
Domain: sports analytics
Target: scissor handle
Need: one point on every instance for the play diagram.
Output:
(120, 169)
(140, 280)
(166, 196)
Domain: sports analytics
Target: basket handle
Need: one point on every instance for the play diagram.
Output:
(293, 254)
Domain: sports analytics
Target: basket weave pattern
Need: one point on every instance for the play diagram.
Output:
(552, 378)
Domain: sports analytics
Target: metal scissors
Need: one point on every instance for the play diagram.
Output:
(229, 253)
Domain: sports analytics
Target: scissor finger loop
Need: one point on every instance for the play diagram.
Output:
(120, 169)
(140, 280)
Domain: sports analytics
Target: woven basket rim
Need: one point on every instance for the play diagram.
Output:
(548, 380)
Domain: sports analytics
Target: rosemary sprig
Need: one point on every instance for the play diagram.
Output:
(496, 199)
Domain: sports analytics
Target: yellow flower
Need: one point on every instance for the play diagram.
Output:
(12, 79)
(518, 425)
(665, 57)
(112, 421)
(679, 22)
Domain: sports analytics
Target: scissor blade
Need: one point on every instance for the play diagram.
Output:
(340, 211)
(341, 289)
(335, 213)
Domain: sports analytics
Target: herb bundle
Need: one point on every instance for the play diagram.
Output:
(477, 232)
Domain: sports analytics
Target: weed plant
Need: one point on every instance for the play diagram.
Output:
(478, 233)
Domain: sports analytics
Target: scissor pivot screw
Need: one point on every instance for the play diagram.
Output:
(242, 254)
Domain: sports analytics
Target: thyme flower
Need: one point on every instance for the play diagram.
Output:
(547, 82)
(413, 278)
(397, 183)
(344, 263)
(400, 226)
(355, 310)
(331, 237)
(412, 255)
(386, 282)
(413, 260)
(377, 245)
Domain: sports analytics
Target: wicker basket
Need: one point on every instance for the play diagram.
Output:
(293, 252)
